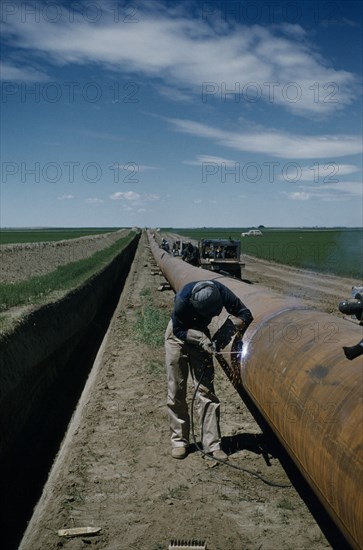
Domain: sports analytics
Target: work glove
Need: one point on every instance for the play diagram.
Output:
(194, 336)
(198, 338)
(239, 324)
(206, 344)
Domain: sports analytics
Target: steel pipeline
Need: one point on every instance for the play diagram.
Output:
(294, 370)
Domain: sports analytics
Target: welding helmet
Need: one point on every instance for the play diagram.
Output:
(206, 299)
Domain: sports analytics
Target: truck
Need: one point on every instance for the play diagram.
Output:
(222, 256)
(252, 233)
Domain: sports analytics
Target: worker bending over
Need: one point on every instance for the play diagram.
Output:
(188, 345)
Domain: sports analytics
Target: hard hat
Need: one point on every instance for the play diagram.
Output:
(206, 299)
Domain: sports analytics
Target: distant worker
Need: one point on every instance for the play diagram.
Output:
(191, 255)
(220, 252)
(165, 245)
(188, 348)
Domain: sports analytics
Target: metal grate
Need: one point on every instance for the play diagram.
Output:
(185, 544)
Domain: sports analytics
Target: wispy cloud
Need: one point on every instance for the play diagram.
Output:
(319, 172)
(9, 72)
(341, 22)
(99, 135)
(174, 94)
(125, 195)
(65, 197)
(274, 142)
(185, 53)
(298, 196)
(134, 167)
(333, 192)
(209, 159)
(93, 200)
(134, 203)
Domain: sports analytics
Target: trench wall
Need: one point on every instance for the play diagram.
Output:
(33, 356)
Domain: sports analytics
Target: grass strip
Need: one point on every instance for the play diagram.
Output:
(64, 277)
(9, 236)
(151, 322)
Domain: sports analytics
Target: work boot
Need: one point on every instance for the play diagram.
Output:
(179, 452)
(219, 454)
(353, 351)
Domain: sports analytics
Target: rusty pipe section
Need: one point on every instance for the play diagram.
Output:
(294, 370)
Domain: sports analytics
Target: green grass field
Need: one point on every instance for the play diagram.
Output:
(335, 251)
(63, 278)
(10, 236)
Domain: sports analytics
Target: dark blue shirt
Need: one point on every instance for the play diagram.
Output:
(185, 317)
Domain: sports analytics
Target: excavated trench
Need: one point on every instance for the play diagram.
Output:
(45, 363)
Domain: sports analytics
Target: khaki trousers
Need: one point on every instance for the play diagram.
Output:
(182, 358)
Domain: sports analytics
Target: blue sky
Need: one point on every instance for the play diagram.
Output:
(165, 113)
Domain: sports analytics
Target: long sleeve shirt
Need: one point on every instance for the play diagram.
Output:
(185, 317)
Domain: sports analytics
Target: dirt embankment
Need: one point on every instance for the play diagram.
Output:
(22, 261)
(115, 470)
(35, 353)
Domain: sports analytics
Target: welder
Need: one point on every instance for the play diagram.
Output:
(189, 348)
(354, 309)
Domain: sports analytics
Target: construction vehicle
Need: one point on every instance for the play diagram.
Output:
(222, 256)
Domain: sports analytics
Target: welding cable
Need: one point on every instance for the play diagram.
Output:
(209, 456)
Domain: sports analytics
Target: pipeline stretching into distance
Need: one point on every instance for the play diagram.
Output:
(294, 370)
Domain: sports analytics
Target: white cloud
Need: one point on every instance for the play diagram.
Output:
(134, 202)
(132, 196)
(273, 142)
(343, 188)
(298, 196)
(98, 135)
(209, 159)
(333, 192)
(318, 172)
(21, 74)
(174, 94)
(125, 195)
(152, 197)
(134, 167)
(276, 64)
(93, 200)
(65, 197)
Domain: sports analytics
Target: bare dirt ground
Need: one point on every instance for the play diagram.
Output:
(115, 470)
(319, 290)
(24, 260)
